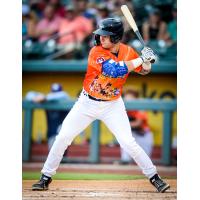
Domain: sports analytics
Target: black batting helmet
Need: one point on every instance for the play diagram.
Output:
(110, 26)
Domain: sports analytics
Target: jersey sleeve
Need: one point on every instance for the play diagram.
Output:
(97, 57)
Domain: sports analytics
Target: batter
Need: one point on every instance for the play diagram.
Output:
(109, 64)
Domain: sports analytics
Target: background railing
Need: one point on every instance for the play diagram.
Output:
(165, 106)
(162, 66)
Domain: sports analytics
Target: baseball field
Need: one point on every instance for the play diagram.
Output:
(86, 182)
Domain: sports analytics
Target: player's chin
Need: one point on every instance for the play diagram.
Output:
(106, 46)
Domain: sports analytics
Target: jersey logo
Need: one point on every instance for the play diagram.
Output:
(100, 60)
(104, 88)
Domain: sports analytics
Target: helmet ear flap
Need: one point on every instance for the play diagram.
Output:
(97, 40)
(114, 39)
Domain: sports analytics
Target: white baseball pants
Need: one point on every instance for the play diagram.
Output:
(83, 113)
(145, 141)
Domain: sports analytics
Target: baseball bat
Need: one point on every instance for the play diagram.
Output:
(129, 17)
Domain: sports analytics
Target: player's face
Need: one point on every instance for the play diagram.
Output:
(105, 42)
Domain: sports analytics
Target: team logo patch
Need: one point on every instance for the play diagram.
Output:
(100, 60)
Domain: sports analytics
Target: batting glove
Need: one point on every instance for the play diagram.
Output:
(148, 55)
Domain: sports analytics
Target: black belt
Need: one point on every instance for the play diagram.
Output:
(93, 98)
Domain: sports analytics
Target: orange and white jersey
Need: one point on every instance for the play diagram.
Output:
(104, 87)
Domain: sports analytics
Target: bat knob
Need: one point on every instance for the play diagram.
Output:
(152, 61)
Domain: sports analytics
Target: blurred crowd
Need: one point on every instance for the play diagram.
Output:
(56, 29)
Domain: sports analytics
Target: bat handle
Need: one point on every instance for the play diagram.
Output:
(140, 38)
(142, 42)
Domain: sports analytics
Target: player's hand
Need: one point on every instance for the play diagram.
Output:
(148, 55)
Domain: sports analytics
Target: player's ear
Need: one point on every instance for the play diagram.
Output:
(97, 40)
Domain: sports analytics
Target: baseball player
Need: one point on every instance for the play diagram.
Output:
(109, 64)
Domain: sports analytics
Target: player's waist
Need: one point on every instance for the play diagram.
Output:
(91, 97)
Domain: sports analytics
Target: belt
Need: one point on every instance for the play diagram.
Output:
(93, 98)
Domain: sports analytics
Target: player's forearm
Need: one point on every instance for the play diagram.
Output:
(133, 64)
(115, 69)
(144, 67)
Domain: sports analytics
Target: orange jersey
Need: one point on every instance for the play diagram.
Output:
(100, 86)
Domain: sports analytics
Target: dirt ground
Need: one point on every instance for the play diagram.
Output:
(98, 190)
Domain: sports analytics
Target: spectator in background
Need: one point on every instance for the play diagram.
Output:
(25, 13)
(86, 9)
(54, 117)
(81, 7)
(59, 8)
(73, 30)
(103, 12)
(29, 23)
(49, 25)
(172, 28)
(139, 125)
(154, 28)
(117, 5)
(38, 7)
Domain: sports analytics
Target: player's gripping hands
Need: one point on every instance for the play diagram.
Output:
(148, 55)
(145, 60)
